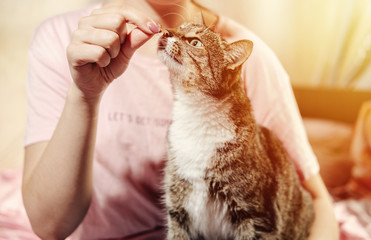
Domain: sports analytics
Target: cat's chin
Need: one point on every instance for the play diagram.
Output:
(169, 61)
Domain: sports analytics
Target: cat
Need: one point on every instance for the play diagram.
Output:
(226, 176)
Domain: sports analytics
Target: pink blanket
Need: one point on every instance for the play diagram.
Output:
(354, 217)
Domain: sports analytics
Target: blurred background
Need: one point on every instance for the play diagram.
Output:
(323, 44)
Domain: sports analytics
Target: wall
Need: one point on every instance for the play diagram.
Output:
(322, 43)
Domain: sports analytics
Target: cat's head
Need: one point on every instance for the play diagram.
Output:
(200, 60)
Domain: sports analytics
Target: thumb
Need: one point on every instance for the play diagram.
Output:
(134, 40)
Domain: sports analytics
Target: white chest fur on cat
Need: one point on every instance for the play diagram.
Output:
(196, 133)
(195, 136)
(208, 216)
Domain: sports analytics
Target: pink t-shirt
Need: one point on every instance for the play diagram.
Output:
(134, 116)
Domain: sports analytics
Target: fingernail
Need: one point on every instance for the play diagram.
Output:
(153, 27)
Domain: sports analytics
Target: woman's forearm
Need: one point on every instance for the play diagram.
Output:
(57, 185)
(324, 226)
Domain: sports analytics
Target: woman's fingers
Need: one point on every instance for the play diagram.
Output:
(106, 39)
(106, 28)
(128, 16)
(135, 39)
(112, 22)
(81, 54)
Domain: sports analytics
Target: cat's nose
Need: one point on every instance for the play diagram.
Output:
(168, 33)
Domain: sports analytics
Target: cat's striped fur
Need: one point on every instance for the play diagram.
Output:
(226, 176)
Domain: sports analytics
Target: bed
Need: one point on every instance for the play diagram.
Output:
(338, 124)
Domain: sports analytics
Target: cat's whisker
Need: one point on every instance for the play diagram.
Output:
(177, 14)
(186, 11)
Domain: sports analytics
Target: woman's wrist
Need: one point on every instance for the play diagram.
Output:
(324, 225)
(87, 104)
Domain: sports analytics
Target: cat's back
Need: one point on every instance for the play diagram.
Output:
(298, 215)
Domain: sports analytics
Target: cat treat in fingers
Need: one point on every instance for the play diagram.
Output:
(226, 176)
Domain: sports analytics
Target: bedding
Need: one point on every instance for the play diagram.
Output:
(344, 154)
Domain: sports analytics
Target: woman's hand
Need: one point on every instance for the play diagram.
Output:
(101, 47)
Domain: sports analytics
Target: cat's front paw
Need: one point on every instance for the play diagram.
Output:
(245, 231)
(178, 234)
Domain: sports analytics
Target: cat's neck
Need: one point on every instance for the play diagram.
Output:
(201, 104)
(210, 107)
(231, 109)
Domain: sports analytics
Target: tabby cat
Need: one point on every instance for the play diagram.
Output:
(226, 177)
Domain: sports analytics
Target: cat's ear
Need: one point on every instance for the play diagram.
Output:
(199, 19)
(238, 52)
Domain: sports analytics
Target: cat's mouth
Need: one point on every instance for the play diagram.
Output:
(170, 51)
(162, 42)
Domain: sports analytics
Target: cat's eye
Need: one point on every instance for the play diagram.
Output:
(195, 43)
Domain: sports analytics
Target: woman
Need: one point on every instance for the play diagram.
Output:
(101, 179)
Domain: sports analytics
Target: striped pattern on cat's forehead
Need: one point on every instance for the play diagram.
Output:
(193, 28)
